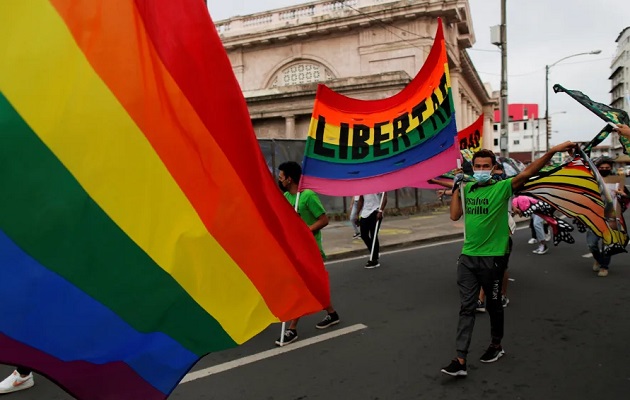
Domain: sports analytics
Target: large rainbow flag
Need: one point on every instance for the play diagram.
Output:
(139, 226)
(368, 146)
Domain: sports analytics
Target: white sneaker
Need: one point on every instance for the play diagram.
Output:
(532, 241)
(542, 249)
(15, 382)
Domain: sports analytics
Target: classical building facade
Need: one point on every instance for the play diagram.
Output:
(365, 49)
(620, 80)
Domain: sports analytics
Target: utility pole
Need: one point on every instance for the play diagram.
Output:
(503, 141)
(547, 122)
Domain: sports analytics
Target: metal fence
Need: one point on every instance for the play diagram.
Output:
(405, 200)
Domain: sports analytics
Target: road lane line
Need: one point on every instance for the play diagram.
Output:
(203, 373)
(423, 246)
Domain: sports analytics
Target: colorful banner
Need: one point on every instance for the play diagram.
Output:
(358, 146)
(577, 190)
(603, 111)
(471, 138)
(136, 236)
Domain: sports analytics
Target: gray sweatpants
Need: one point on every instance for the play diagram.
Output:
(473, 273)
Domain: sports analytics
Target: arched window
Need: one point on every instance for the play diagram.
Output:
(301, 73)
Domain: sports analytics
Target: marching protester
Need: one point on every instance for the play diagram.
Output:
(314, 215)
(370, 210)
(602, 260)
(354, 220)
(482, 261)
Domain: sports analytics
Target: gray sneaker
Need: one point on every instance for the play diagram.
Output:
(542, 249)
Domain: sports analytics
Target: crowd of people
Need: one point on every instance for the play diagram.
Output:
(481, 267)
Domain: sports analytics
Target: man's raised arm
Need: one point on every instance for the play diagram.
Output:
(537, 165)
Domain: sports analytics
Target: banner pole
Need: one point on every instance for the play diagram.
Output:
(376, 228)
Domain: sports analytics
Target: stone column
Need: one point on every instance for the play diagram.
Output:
(289, 132)
(455, 74)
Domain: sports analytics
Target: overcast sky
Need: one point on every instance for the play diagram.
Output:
(540, 32)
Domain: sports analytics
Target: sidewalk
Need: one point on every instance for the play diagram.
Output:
(396, 232)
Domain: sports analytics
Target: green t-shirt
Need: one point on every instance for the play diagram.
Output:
(486, 219)
(310, 209)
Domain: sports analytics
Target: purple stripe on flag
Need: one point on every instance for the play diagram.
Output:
(416, 176)
(83, 380)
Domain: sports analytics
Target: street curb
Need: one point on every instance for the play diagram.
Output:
(401, 245)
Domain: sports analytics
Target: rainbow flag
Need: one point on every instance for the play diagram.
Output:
(576, 190)
(140, 228)
(360, 146)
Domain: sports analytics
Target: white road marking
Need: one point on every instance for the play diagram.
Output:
(203, 373)
(424, 246)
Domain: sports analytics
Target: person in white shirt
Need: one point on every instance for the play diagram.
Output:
(371, 211)
(354, 220)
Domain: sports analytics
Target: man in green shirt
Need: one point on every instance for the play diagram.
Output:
(314, 215)
(484, 205)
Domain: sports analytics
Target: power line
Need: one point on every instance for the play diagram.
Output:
(542, 69)
(485, 50)
(385, 25)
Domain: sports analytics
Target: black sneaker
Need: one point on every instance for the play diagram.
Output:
(504, 301)
(492, 354)
(328, 321)
(290, 335)
(481, 307)
(372, 264)
(455, 369)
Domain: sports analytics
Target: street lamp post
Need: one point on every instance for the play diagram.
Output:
(547, 68)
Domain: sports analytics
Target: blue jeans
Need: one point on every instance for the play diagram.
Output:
(539, 227)
(594, 243)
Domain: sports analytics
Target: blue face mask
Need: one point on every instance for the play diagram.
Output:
(482, 176)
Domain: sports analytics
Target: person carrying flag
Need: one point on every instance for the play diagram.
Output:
(314, 215)
(484, 205)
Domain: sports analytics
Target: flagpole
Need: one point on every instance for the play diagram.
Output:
(378, 223)
(284, 324)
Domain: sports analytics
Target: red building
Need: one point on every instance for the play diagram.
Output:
(519, 112)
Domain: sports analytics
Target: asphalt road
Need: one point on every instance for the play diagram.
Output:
(565, 336)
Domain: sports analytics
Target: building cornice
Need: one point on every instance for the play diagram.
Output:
(347, 85)
(320, 18)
